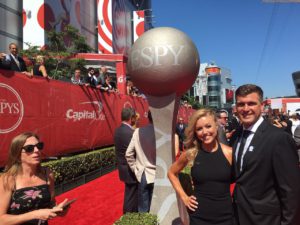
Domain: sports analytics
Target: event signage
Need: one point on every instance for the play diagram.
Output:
(83, 114)
(11, 109)
(155, 56)
(67, 117)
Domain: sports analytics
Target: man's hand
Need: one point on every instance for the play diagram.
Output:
(2, 56)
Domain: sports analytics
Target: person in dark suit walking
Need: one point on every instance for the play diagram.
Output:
(266, 170)
(122, 138)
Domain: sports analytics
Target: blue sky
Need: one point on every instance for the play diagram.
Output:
(259, 42)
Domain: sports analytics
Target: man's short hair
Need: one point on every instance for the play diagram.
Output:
(90, 68)
(127, 114)
(247, 89)
(220, 112)
(9, 46)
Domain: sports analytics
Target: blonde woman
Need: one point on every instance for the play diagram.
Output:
(39, 68)
(211, 161)
(26, 188)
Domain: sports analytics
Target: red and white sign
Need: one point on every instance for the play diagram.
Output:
(105, 37)
(11, 109)
(40, 16)
(68, 118)
(138, 24)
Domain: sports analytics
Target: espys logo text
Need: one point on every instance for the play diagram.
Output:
(84, 114)
(11, 109)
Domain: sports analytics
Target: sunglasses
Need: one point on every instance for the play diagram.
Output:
(30, 148)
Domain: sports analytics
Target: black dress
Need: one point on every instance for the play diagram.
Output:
(211, 174)
(27, 199)
(36, 70)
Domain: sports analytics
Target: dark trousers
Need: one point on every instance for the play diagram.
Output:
(130, 203)
(145, 194)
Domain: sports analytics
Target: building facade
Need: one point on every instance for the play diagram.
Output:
(213, 86)
(10, 23)
(109, 26)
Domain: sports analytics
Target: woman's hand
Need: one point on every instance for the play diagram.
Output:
(62, 207)
(46, 214)
(190, 202)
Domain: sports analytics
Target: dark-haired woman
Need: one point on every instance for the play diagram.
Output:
(26, 188)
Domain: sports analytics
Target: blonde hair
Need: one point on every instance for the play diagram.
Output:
(40, 59)
(13, 165)
(191, 142)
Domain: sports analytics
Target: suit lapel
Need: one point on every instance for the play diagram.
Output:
(13, 61)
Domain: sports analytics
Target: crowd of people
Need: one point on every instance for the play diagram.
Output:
(246, 148)
(256, 152)
(96, 78)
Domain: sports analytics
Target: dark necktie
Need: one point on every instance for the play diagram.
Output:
(245, 135)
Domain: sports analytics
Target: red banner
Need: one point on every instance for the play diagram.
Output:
(67, 117)
(229, 96)
(185, 113)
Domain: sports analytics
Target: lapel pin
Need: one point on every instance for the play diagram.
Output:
(251, 148)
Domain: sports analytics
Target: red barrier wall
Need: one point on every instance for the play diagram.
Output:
(67, 117)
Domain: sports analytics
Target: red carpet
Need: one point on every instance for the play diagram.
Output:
(99, 202)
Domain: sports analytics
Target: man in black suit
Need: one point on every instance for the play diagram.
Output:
(13, 61)
(222, 123)
(91, 79)
(180, 129)
(267, 175)
(122, 138)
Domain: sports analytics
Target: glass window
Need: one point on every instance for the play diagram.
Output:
(213, 88)
(213, 78)
(214, 98)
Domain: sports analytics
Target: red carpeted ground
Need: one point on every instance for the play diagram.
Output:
(99, 202)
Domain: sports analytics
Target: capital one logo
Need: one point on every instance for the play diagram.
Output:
(85, 114)
(11, 109)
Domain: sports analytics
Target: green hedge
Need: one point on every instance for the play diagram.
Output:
(66, 169)
(137, 219)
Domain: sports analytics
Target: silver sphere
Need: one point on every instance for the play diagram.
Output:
(163, 61)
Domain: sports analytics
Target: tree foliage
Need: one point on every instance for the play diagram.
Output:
(192, 101)
(59, 52)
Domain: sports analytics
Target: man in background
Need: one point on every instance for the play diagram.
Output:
(91, 79)
(222, 122)
(102, 75)
(180, 129)
(15, 62)
(122, 138)
(76, 79)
